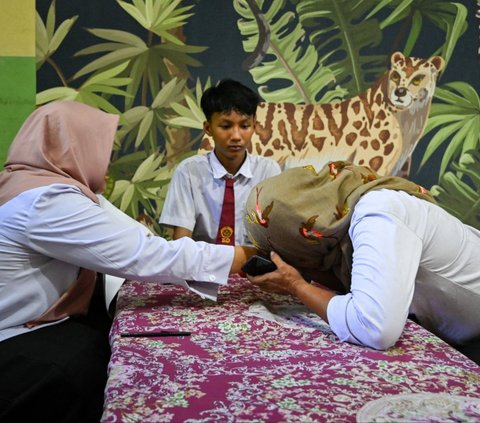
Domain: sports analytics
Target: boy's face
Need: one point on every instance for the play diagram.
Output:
(231, 133)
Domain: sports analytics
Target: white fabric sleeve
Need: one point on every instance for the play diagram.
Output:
(67, 226)
(385, 262)
(272, 169)
(179, 206)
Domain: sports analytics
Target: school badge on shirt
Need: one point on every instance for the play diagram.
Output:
(226, 233)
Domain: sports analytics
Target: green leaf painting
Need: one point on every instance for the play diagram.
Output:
(297, 51)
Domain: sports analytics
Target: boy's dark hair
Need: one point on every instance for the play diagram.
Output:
(229, 95)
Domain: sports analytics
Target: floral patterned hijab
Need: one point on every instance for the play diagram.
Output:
(62, 142)
(304, 216)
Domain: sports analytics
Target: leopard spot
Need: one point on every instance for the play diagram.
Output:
(364, 132)
(376, 162)
(350, 138)
(379, 98)
(375, 144)
(277, 145)
(259, 149)
(282, 130)
(357, 124)
(318, 142)
(318, 122)
(268, 153)
(361, 162)
(356, 107)
(364, 144)
(384, 135)
(381, 115)
(388, 149)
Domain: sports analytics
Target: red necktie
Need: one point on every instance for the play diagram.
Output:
(74, 301)
(226, 228)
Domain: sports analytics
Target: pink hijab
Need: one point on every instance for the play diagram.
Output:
(62, 142)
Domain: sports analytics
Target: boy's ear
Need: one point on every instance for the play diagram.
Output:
(206, 127)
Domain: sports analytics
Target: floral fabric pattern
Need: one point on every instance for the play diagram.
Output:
(259, 357)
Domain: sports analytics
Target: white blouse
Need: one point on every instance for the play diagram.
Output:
(410, 256)
(48, 233)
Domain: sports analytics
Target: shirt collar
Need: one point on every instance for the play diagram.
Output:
(219, 171)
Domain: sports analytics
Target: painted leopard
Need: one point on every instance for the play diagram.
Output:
(379, 127)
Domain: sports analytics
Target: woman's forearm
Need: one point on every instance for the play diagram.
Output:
(314, 297)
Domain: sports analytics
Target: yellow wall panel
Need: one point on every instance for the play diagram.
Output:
(17, 28)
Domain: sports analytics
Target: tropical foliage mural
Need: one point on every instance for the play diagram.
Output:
(300, 51)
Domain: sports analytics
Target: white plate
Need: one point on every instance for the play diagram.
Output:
(421, 407)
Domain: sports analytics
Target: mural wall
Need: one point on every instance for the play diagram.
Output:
(150, 61)
(17, 68)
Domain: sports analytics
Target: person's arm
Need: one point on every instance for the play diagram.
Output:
(67, 226)
(385, 261)
(287, 280)
(179, 206)
(241, 255)
(179, 232)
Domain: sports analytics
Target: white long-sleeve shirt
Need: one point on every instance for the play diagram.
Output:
(195, 194)
(410, 256)
(48, 233)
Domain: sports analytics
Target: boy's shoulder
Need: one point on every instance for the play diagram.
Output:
(263, 161)
(257, 158)
(194, 160)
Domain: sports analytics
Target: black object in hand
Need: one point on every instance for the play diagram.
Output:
(257, 265)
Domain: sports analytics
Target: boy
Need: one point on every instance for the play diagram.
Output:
(195, 198)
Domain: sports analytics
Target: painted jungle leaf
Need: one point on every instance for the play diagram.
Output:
(341, 34)
(47, 38)
(160, 17)
(458, 191)
(189, 112)
(141, 123)
(455, 121)
(290, 60)
(91, 91)
(449, 17)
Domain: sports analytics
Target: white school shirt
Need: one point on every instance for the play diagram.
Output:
(48, 233)
(410, 256)
(195, 195)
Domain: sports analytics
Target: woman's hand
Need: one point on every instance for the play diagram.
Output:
(284, 280)
(287, 280)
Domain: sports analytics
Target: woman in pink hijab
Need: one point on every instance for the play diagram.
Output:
(56, 232)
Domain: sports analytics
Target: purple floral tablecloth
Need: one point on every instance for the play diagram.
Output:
(257, 357)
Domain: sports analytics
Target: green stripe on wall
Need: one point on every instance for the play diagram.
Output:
(17, 97)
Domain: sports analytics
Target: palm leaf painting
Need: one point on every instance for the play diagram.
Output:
(458, 191)
(297, 65)
(455, 123)
(298, 51)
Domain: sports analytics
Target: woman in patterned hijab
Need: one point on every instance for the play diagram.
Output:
(378, 248)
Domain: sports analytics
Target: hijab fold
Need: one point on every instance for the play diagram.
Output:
(62, 142)
(304, 216)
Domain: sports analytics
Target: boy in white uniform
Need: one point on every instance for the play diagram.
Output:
(194, 200)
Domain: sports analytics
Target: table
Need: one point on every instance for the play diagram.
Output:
(258, 357)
